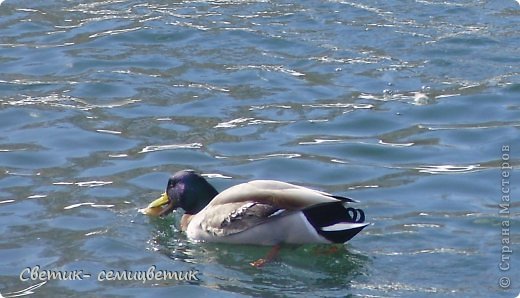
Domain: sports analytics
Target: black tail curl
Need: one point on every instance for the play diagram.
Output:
(353, 213)
(329, 214)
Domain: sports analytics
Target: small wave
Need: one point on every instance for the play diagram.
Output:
(448, 169)
(422, 225)
(37, 196)
(93, 183)
(114, 132)
(215, 175)
(275, 155)
(232, 123)
(395, 144)
(247, 121)
(269, 106)
(320, 141)
(88, 204)
(153, 148)
(437, 250)
(396, 286)
(122, 155)
(340, 105)
(77, 205)
(470, 126)
(65, 101)
(84, 183)
(114, 32)
(100, 232)
(270, 68)
(102, 205)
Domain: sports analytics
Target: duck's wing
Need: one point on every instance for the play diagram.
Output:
(279, 194)
(246, 205)
(231, 218)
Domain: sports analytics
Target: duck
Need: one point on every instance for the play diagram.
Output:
(258, 212)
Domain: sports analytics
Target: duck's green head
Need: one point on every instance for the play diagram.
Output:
(187, 190)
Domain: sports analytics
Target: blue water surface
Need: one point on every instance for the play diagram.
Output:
(411, 107)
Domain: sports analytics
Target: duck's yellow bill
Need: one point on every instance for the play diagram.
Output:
(163, 200)
(154, 208)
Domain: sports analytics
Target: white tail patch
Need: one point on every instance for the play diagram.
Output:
(341, 226)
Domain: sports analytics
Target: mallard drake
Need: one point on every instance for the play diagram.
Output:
(262, 212)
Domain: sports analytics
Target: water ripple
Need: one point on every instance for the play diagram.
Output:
(65, 101)
(449, 169)
(153, 148)
(275, 155)
(93, 183)
(402, 105)
(94, 205)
